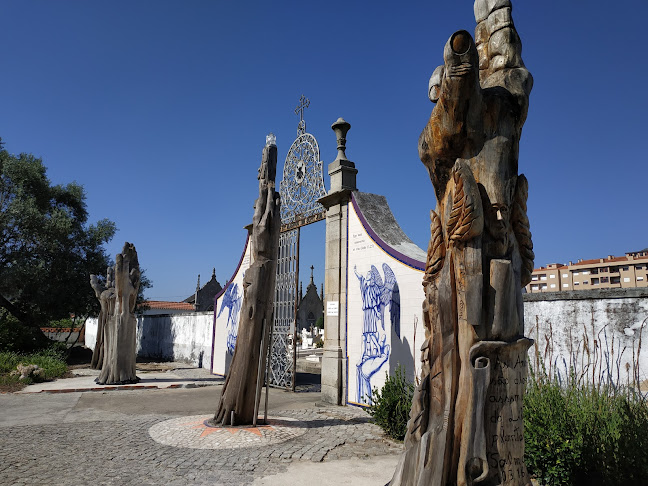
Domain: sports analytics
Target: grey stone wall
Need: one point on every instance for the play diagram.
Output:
(596, 333)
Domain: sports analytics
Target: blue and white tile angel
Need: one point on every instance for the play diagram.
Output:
(376, 296)
(232, 301)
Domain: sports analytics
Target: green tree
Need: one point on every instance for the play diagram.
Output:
(47, 247)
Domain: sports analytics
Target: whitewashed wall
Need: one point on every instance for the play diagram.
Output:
(227, 312)
(364, 251)
(601, 328)
(179, 337)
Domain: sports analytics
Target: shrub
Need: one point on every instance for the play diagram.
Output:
(51, 360)
(578, 434)
(391, 405)
(17, 337)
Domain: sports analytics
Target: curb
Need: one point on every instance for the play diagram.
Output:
(118, 388)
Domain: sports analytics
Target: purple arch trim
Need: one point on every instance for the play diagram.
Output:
(411, 262)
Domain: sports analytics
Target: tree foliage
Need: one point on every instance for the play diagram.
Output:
(47, 247)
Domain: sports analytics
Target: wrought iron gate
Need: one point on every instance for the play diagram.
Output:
(302, 185)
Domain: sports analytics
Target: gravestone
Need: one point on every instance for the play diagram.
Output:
(119, 322)
(237, 403)
(466, 423)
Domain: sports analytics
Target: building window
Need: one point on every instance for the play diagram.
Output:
(594, 271)
(586, 272)
(615, 280)
(585, 282)
(639, 267)
(626, 279)
(534, 277)
(605, 280)
(625, 269)
(534, 287)
(565, 275)
(595, 281)
(543, 277)
(543, 286)
(576, 283)
(552, 276)
(640, 278)
(565, 285)
(575, 273)
(603, 269)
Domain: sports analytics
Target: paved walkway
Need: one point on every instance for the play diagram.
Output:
(159, 436)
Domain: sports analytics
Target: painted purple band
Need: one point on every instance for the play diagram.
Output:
(417, 264)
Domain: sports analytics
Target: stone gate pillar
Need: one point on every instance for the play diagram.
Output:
(343, 181)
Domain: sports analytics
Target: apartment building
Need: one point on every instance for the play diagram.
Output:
(612, 272)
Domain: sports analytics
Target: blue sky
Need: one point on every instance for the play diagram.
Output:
(160, 110)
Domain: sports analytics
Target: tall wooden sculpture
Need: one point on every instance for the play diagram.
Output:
(237, 403)
(119, 322)
(466, 424)
(106, 295)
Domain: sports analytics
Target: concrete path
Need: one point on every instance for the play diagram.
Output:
(158, 435)
(181, 377)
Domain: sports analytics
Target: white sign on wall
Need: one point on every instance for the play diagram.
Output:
(332, 309)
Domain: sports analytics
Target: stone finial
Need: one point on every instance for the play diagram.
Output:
(341, 127)
(214, 273)
(312, 282)
(342, 171)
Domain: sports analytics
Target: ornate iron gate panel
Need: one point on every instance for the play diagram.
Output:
(302, 185)
(283, 356)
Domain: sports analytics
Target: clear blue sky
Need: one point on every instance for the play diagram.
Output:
(160, 110)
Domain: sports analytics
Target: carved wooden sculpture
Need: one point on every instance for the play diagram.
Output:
(466, 425)
(258, 299)
(120, 327)
(106, 295)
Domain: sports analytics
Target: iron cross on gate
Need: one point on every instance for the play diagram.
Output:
(303, 104)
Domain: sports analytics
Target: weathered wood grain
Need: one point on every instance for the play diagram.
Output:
(465, 425)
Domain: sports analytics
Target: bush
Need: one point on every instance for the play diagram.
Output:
(577, 434)
(391, 405)
(51, 360)
(19, 338)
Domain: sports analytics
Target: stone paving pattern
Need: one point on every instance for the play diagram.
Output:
(121, 452)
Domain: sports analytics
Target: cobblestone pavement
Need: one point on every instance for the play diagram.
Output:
(121, 451)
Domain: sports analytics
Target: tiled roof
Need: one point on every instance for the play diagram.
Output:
(161, 304)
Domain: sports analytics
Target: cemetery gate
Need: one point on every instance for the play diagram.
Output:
(302, 185)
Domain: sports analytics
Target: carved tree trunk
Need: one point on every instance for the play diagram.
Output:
(106, 296)
(258, 299)
(120, 328)
(466, 424)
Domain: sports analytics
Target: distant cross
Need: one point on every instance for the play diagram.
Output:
(303, 104)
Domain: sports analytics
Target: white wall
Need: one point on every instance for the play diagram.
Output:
(227, 312)
(364, 253)
(179, 337)
(604, 332)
